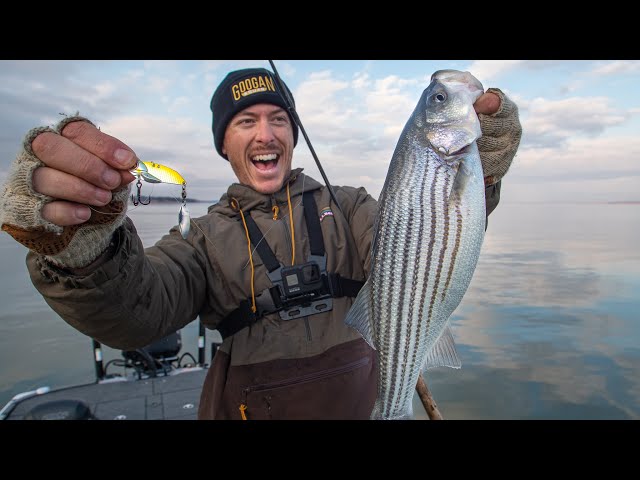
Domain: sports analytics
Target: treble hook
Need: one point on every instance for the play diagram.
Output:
(137, 200)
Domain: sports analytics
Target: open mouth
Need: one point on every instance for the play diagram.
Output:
(265, 162)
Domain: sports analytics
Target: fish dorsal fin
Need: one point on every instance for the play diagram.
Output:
(443, 353)
(358, 316)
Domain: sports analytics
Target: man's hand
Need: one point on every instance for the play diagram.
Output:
(67, 192)
(82, 166)
(488, 103)
(501, 133)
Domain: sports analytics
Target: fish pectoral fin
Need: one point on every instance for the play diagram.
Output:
(358, 316)
(460, 183)
(443, 353)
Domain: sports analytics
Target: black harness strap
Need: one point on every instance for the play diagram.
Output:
(316, 241)
(344, 287)
(238, 319)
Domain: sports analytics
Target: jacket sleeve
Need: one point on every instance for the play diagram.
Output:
(134, 298)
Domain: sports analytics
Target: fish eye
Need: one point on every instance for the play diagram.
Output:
(439, 97)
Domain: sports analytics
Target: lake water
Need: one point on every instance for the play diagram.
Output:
(549, 328)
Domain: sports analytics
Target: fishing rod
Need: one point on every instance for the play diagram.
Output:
(292, 111)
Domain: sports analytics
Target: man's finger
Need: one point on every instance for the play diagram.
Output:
(103, 146)
(64, 186)
(65, 213)
(62, 154)
(487, 103)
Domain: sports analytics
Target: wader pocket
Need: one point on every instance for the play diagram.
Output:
(333, 393)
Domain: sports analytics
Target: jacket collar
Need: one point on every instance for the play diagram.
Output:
(249, 199)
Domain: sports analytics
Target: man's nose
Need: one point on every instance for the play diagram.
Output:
(265, 132)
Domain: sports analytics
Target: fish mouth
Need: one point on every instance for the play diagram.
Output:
(447, 153)
(450, 148)
(265, 162)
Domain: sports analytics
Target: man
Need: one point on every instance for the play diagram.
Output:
(275, 275)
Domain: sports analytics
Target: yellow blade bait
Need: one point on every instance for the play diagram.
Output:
(156, 173)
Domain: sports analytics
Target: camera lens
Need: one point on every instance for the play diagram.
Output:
(311, 273)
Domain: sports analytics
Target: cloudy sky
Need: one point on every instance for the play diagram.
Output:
(580, 118)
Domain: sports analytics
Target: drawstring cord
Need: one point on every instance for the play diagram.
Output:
(246, 231)
(293, 233)
(235, 204)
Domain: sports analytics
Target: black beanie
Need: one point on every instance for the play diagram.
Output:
(241, 89)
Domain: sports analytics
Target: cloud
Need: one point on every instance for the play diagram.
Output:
(550, 122)
(582, 158)
(489, 70)
(617, 67)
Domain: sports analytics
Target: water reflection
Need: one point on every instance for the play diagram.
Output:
(548, 329)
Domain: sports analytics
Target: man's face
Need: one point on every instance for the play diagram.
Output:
(259, 145)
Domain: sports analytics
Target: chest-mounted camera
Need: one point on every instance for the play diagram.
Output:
(303, 288)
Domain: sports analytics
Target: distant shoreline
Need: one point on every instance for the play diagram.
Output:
(175, 199)
(586, 202)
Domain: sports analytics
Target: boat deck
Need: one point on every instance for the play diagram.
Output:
(171, 397)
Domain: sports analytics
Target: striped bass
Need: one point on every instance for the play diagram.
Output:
(427, 238)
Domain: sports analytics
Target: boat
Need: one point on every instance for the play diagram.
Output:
(160, 382)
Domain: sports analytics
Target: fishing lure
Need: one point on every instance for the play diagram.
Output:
(155, 173)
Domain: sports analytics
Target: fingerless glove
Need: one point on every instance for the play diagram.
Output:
(20, 212)
(501, 133)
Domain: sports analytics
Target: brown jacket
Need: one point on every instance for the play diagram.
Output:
(321, 367)
(312, 367)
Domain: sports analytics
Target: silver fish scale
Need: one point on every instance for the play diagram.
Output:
(424, 256)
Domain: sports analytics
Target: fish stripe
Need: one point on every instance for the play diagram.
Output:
(456, 247)
(445, 238)
(423, 271)
(387, 254)
(382, 302)
(414, 237)
(432, 241)
(407, 267)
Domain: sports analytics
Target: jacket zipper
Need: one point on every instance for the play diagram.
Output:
(310, 377)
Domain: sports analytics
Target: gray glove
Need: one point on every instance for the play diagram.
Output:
(501, 133)
(20, 213)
